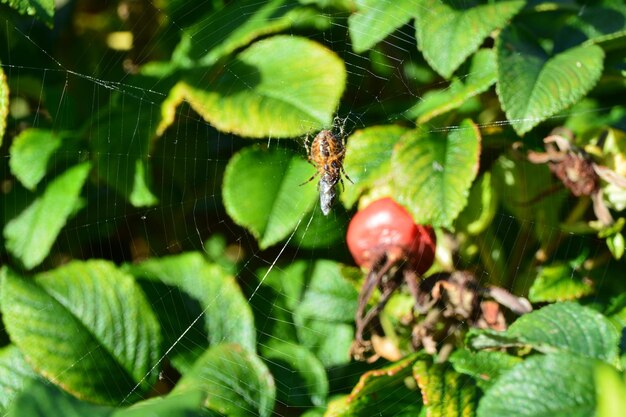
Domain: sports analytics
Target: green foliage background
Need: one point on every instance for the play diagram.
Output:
(146, 184)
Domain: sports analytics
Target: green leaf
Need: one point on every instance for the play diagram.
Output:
(41, 9)
(30, 236)
(283, 86)
(261, 192)
(484, 366)
(122, 144)
(30, 153)
(447, 34)
(15, 373)
(327, 287)
(559, 282)
(179, 11)
(445, 393)
(280, 291)
(381, 392)
(562, 327)
(42, 399)
(610, 391)
(526, 194)
(327, 331)
(482, 74)
(601, 22)
(314, 412)
(86, 326)
(329, 341)
(558, 385)
(368, 152)
(289, 281)
(226, 30)
(186, 404)
(433, 172)
(46, 400)
(300, 376)
(481, 208)
(374, 20)
(4, 103)
(236, 382)
(322, 231)
(343, 5)
(532, 86)
(616, 245)
(393, 374)
(193, 288)
(616, 310)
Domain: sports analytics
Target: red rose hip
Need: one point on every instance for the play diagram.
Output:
(384, 228)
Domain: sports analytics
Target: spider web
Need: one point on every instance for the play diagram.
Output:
(189, 215)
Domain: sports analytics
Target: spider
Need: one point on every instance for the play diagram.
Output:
(326, 155)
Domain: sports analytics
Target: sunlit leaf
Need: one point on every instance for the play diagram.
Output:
(480, 211)
(559, 282)
(41, 9)
(193, 288)
(186, 404)
(261, 192)
(616, 245)
(610, 391)
(533, 85)
(556, 385)
(445, 393)
(485, 366)
(482, 75)
(31, 151)
(30, 236)
(228, 29)
(15, 373)
(374, 20)
(433, 172)
(562, 327)
(45, 400)
(381, 392)
(84, 325)
(235, 381)
(41, 399)
(368, 152)
(328, 287)
(283, 86)
(447, 33)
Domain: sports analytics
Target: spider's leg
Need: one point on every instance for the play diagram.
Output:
(342, 128)
(306, 146)
(346, 175)
(310, 179)
(336, 122)
(308, 153)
